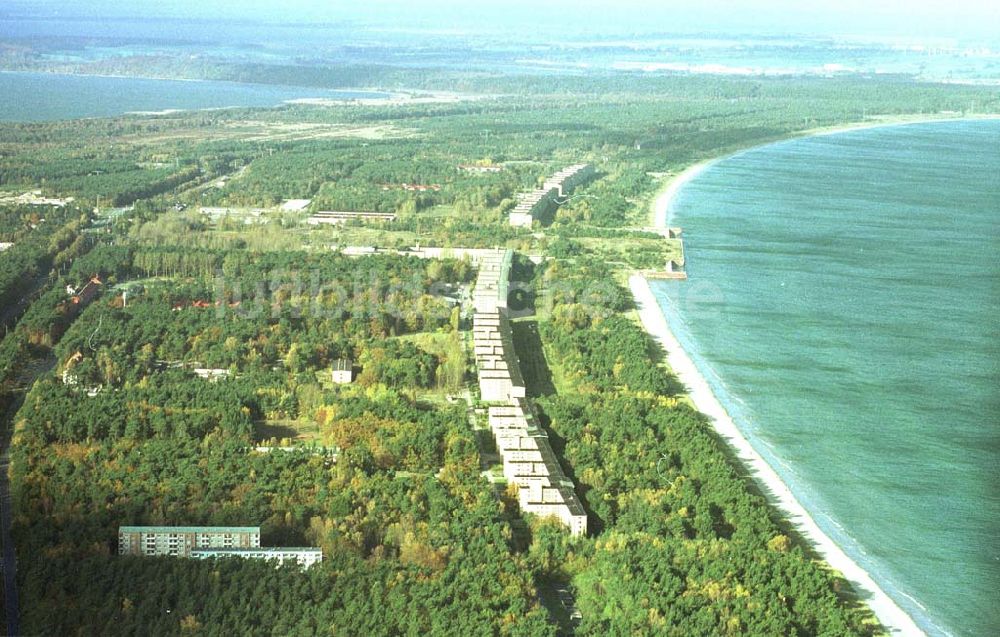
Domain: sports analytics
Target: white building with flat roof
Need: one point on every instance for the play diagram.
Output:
(490, 293)
(528, 460)
(295, 205)
(303, 556)
(202, 542)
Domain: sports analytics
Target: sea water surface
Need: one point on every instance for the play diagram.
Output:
(844, 302)
(29, 97)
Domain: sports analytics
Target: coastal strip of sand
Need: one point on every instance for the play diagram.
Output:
(895, 620)
(661, 205)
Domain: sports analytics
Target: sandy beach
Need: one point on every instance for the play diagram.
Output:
(661, 205)
(893, 618)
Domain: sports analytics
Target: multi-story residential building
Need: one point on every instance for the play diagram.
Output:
(542, 200)
(528, 460)
(181, 540)
(202, 542)
(493, 281)
(303, 556)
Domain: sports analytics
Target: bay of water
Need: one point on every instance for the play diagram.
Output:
(844, 302)
(28, 97)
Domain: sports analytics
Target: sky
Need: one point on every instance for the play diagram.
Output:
(967, 19)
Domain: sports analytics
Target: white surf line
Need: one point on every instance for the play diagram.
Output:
(893, 618)
(661, 207)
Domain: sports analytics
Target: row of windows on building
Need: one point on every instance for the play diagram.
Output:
(208, 542)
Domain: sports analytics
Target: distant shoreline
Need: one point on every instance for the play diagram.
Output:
(158, 97)
(367, 96)
(660, 205)
(391, 98)
(111, 76)
(653, 319)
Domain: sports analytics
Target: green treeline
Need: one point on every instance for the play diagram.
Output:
(43, 237)
(115, 183)
(51, 313)
(123, 432)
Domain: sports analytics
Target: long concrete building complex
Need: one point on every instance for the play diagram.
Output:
(540, 201)
(530, 463)
(500, 377)
(528, 459)
(492, 284)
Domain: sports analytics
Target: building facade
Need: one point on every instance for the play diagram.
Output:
(342, 371)
(303, 556)
(542, 200)
(528, 460)
(204, 542)
(181, 540)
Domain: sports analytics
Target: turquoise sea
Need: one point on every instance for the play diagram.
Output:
(844, 302)
(31, 97)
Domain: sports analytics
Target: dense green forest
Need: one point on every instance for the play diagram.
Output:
(683, 546)
(117, 427)
(402, 510)
(42, 238)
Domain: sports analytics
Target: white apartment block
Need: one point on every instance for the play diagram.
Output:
(204, 542)
(304, 557)
(528, 460)
(181, 540)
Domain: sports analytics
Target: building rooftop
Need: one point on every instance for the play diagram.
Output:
(189, 529)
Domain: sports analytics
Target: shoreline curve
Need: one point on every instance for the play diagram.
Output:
(660, 206)
(889, 613)
(892, 617)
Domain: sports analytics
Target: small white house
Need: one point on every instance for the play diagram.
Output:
(343, 371)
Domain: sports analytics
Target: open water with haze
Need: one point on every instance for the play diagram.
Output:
(33, 97)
